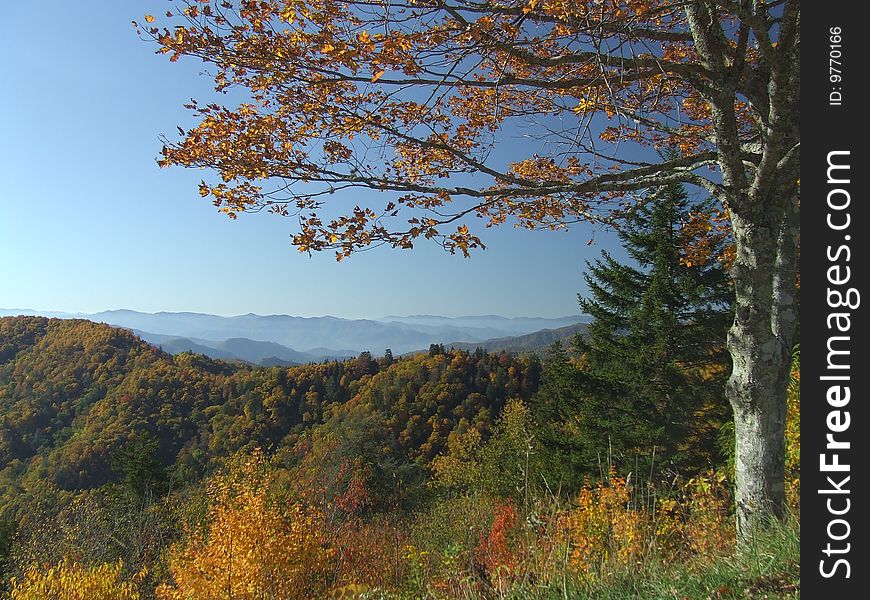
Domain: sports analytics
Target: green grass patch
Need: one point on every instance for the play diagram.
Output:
(770, 568)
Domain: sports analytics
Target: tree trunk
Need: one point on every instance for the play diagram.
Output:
(760, 342)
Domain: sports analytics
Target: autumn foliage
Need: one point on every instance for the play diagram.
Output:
(499, 551)
(408, 98)
(253, 546)
(604, 527)
(68, 580)
(793, 436)
(415, 477)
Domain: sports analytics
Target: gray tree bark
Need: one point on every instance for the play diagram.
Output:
(763, 203)
(761, 342)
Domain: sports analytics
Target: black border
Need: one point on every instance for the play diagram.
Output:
(827, 128)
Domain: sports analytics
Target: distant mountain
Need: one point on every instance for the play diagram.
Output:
(74, 392)
(538, 341)
(242, 349)
(318, 336)
(493, 325)
(176, 345)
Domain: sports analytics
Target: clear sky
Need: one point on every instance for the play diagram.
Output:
(88, 222)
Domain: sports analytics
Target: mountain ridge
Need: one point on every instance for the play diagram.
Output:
(315, 336)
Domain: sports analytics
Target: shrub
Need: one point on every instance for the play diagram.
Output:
(604, 529)
(254, 545)
(69, 580)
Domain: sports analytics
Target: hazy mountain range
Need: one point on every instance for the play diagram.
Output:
(530, 342)
(253, 351)
(284, 339)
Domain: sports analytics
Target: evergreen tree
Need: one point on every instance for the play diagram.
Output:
(142, 473)
(388, 358)
(655, 363)
(556, 411)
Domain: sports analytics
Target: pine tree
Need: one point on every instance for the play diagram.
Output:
(142, 473)
(555, 413)
(652, 384)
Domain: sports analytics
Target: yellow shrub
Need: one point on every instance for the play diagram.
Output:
(253, 549)
(698, 522)
(604, 528)
(710, 526)
(71, 581)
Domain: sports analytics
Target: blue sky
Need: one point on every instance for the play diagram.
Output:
(88, 221)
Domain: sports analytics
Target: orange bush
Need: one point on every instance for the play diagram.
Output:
(604, 528)
(496, 552)
(253, 548)
(698, 521)
(71, 581)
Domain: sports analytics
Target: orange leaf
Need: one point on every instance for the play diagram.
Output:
(149, 18)
(378, 75)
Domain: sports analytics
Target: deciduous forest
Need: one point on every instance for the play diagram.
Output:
(603, 468)
(129, 473)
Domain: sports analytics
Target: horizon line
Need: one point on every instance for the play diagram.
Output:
(230, 316)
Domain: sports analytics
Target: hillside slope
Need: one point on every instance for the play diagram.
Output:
(326, 336)
(73, 393)
(537, 341)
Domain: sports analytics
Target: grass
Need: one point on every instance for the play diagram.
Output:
(769, 569)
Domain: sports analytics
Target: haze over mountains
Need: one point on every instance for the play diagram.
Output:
(285, 340)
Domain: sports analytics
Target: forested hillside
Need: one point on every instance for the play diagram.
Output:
(537, 341)
(133, 473)
(74, 393)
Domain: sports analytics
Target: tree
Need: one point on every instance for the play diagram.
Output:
(412, 98)
(142, 473)
(556, 408)
(388, 358)
(654, 354)
(507, 465)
